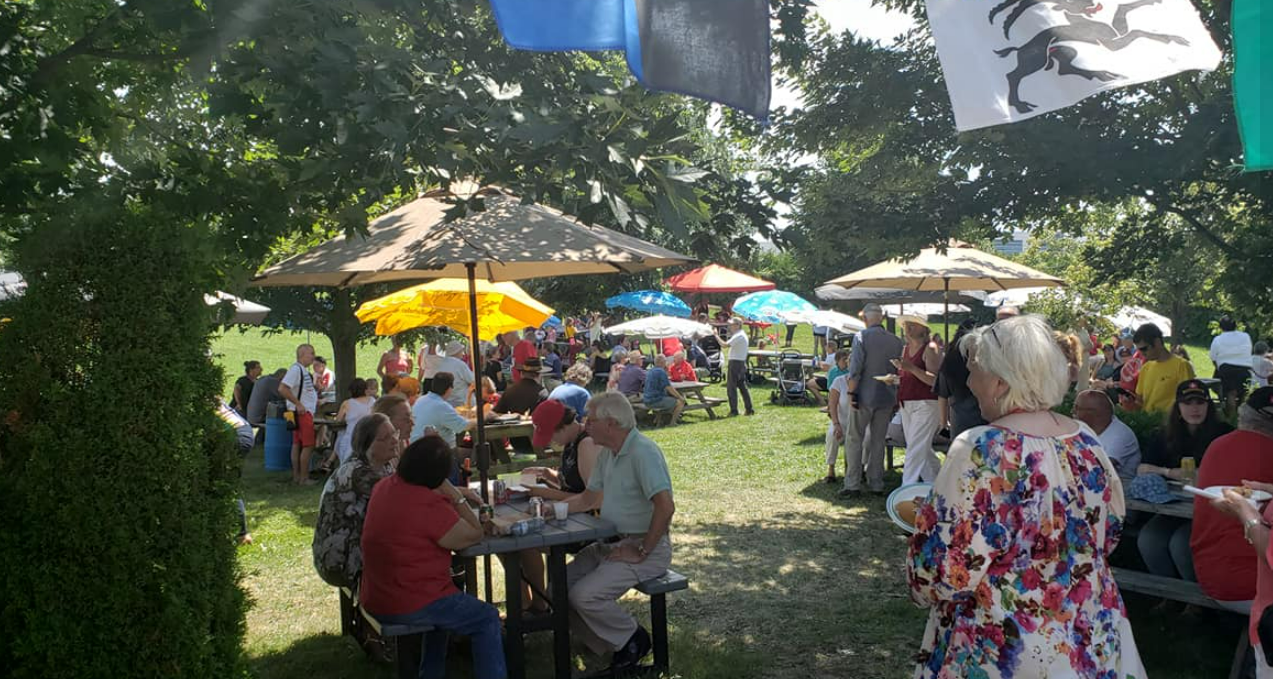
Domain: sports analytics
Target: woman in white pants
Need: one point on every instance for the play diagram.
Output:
(840, 411)
(918, 368)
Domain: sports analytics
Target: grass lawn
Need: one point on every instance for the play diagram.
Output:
(786, 579)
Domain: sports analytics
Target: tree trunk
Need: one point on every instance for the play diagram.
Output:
(344, 339)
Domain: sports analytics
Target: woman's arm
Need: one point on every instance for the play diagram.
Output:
(344, 410)
(957, 539)
(587, 452)
(238, 396)
(380, 369)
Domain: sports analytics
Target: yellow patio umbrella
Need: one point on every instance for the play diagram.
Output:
(501, 307)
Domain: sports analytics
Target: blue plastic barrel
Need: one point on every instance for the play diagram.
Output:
(278, 445)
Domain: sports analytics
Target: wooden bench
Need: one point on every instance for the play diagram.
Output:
(1184, 592)
(404, 644)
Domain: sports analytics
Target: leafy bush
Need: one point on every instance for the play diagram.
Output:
(117, 549)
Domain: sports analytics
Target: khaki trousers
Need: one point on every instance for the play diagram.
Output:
(595, 586)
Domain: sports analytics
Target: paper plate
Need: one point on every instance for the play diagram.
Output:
(1256, 495)
(907, 493)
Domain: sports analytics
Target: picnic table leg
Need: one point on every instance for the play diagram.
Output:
(561, 611)
(514, 647)
(490, 586)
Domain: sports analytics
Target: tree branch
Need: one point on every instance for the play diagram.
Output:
(47, 67)
(1202, 230)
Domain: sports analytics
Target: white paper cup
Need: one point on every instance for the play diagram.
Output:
(561, 510)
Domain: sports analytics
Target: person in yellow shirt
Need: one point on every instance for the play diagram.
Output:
(1161, 374)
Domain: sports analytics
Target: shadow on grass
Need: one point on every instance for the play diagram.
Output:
(756, 582)
(324, 655)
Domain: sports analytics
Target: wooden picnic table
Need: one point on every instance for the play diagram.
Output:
(555, 538)
(693, 393)
(1182, 508)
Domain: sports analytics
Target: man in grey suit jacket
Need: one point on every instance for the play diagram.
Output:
(872, 401)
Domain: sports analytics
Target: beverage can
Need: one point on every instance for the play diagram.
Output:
(499, 492)
(537, 507)
(485, 513)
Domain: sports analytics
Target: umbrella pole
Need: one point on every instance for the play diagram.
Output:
(479, 440)
(945, 316)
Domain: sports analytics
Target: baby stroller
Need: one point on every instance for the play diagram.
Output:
(791, 381)
(715, 364)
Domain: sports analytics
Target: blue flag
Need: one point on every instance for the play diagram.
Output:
(712, 49)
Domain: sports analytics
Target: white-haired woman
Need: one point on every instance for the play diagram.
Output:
(1011, 549)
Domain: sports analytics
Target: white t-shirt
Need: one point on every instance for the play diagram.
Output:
(1232, 348)
(463, 378)
(843, 407)
(296, 376)
(738, 346)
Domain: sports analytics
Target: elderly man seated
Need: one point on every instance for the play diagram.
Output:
(631, 483)
(1094, 409)
(658, 393)
(681, 370)
(632, 379)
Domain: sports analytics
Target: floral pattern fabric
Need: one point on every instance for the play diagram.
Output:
(341, 511)
(1011, 556)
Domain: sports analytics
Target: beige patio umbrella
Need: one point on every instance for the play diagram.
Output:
(508, 241)
(960, 268)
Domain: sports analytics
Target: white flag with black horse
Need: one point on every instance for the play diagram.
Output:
(1008, 60)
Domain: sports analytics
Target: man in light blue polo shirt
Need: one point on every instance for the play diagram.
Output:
(433, 410)
(631, 483)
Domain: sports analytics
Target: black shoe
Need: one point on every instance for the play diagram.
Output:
(750, 412)
(845, 492)
(638, 647)
(831, 479)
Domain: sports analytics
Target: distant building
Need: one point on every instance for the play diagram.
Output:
(1014, 245)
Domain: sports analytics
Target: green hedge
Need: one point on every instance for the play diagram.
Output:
(118, 542)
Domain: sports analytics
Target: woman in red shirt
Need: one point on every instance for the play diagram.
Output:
(415, 519)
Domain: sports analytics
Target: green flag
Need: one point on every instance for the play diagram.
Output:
(1253, 79)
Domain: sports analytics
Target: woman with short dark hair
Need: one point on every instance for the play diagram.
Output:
(416, 518)
(337, 555)
(243, 387)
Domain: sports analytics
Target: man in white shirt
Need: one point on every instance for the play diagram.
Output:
(1094, 409)
(297, 388)
(1231, 352)
(736, 375)
(435, 410)
(460, 371)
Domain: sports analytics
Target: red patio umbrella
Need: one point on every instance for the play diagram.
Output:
(716, 278)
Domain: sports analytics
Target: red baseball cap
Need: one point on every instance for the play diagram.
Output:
(546, 418)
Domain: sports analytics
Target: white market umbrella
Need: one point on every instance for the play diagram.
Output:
(1134, 316)
(245, 312)
(959, 267)
(835, 293)
(829, 319)
(661, 327)
(1015, 297)
(922, 309)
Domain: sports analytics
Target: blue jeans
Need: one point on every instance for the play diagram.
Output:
(1164, 546)
(467, 616)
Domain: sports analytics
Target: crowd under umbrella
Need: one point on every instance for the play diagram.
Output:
(662, 327)
(506, 240)
(956, 268)
(650, 302)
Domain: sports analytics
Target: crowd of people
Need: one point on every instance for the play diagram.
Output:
(1012, 549)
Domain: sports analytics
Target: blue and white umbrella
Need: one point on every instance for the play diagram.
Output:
(770, 306)
(554, 322)
(650, 302)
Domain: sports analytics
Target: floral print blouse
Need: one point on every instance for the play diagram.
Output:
(341, 511)
(1011, 556)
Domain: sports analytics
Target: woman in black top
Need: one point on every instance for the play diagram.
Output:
(243, 387)
(959, 408)
(1192, 424)
(555, 422)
